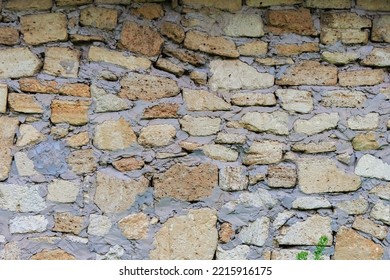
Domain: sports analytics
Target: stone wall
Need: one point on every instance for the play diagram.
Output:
(194, 129)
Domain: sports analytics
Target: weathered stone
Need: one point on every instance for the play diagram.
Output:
(201, 100)
(62, 62)
(239, 252)
(191, 237)
(229, 5)
(158, 135)
(255, 233)
(78, 38)
(78, 140)
(260, 199)
(24, 103)
(282, 218)
(186, 183)
(366, 122)
(374, 5)
(339, 58)
(378, 57)
(128, 164)
(72, 112)
(59, 131)
(382, 191)
(343, 98)
(200, 126)
(20, 5)
(66, 222)
(147, 87)
(352, 246)
(242, 25)
(267, 3)
(18, 62)
(220, 152)
(381, 29)
(290, 49)
(42, 28)
(28, 135)
(9, 36)
(307, 232)
(314, 148)
(230, 138)
(166, 65)
(321, 175)
(381, 212)
(254, 48)
(8, 127)
(135, 226)
(99, 225)
(53, 87)
(329, 4)
(275, 122)
(114, 135)
(114, 2)
(117, 194)
(82, 161)
(63, 3)
(5, 162)
(20, 198)
(57, 254)
(290, 21)
(309, 73)
(184, 55)
(310, 203)
(28, 224)
(354, 78)
(280, 176)
(368, 226)
(141, 39)
(364, 142)
(62, 191)
(173, 31)
(264, 152)
(226, 232)
(234, 74)
(190, 146)
(372, 167)
(346, 36)
(317, 124)
(102, 18)
(107, 102)
(98, 54)
(275, 61)
(253, 99)
(294, 100)
(162, 111)
(149, 11)
(289, 254)
(24, 165)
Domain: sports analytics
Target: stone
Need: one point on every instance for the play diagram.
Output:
(184, 55)
(321, 175)
(310, 203)
(317, 124)
(66, 222)
(230, 138)
(102, 18)
(200, 126)
(117, 194)
(53, 87)
(128, 164)
(364, 142)
(158, 135)
(366, 77)
(280, 176)
(235, 74)
(186, 183)
(57, 254)
(141, 39)
(82, 161)
(105, 102)
(380, 29)
(78, 38)
(289, 254)
(330, 4)
(379, 57)
(239, 252)
(114, 135)
(255, 233)
(290, 21)
(374, 5)
(63, 62)
(149, 11)
(62, 191)
(366, 122)
(314, 148)
(201, 100)
(162, 111)
(24, 165)
(268, 3)
(307, 232)
(254, 48)
(381, 212)
(274, 61)
(260, 199)
(282, 218)
(147, 87)
(63, 3)
(20, 5)
(382, 191)
(78, 140)
(293, 100)
(28, 224)
(352, 246)
(190, 237)
(72, 112)
(228, 5)
(135, 226)
(264, 152)
(220, 152)
(226, 232)
(11, 251)
(8, 127)
(98, 54)
(113, 2)
(18, 62)
(166, 65)
(339, 58)
(346, 36)
(99, 225)
(309, 73)
(173, 31)
(20, 198)
(343, 98)
(199, 41)
(253, 99)
(5, 162)
(368, 226)
(29, 135)
(24, 103)
(190, 146)
(43, 28)
(275, 122)
(292, 49)
(242, 25)
(9, 36)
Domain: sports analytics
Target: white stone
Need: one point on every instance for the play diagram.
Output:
(255, 233)
(309, 203)
(99, 225)
(282, 218)
(107, 102)
(28, 224)
(293, 100)
(28, 135)
(157, 135)
(200, 126)
(62, 191)
(20, 198)
(367, 122)
(233, 178)
(18, 62)
(220, 152)
(275, 122)
(372, 167)
(2, 239)
(354, 207)
(261, 199)
(317, 124)
(264, 152)
(24, 165)
(3, 98)
(201, 100)
(239, 252)
(381, 212)
(242, 25)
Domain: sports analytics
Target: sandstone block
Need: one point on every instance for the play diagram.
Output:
(9, 36)
(381, 212)
(254, 48)
(128, 164)
(364, 142)
(365, 122)
(162, 111)
(347, 36)
(343, 98)
(382, 191)
(339, 58)
(62, 191)
(255, 233)
(253, 99)
(199, 78)
(379, 57)
(314, 148)
(226, 232)
(173, 31)
(20, 5)
(317, 124)
(293, 100)
(290, 50)
(354, 207)
(368, 226)
(24, 103)
(264, 152)
(230, 138)
(267, 3)
(72, 112)
(82, 161)
(275, 122)
(99, 225)
(290, 21)
(102, 18)
(274, 61)
(105, 102)
(310, 203)
(66, 222)
(374, 5)
(78, 140)
(372, 167)
(24, 165)
(135, 226)
(28, 224)
(201, 100)
(20, 198)
(280, 176)
(166, 65)
(18, 62)
(149, 11)
(367, 77)
(242, 25)
(63, 3)
(229, 5)
(57, 254)
(53, 87)
(158, 135)
(63, 62)
(29, 135)
(220, 152)
(184, 55)
(200, 126)
(78, 38)
(233, 178)
(239, 252)
(3, 98)
(381, 29)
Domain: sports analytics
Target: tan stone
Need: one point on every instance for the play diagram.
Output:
(57, 254)
(374, 5)
(166, 65)
(220, 152)
(352, 246)
(149, 11)
(147, 87)
(18, 62)
(366, 122)
(368, 226)
(186, 183)
(8, 127)
(173, 31)
(184, 55)
(5, 162)
(141, 39)
(24, 103)
(82, 161)
(63, 3)
(280, 176)
(158, 135)
(226, 232)
(267, 3)
(190, 237)
(379, 57)
(293, 100)
(135, 226)
(24, 165)
(128, 164)
(354, 207)
(364, 142)
(275, 122)
(63, 62)
(253, 99)
(309, 73)
(381, 29)
(230, 138)
(289, 49)
(339, 58)
(66, 222)
(162, 111)
(290, 21)
(317, 124)
(254, 48)
(9, 36)
(314, 148)
(346, 36)
(102, 18)
(113, 2)
(199, 41)
(28, 135)
(62, 191)
(201, 100)
(343, 98)
(117, 194)
(42, 28)
(78, 140)
(229, 5)
(382, 191)
(72, 112)
(20, 5)
(114, 135)
(200, 126)
(381, 212)
(264, 152)
(199, 78)
(52, 87)
(78, 38)
(190, 146)
(241, 25)
(329, 4)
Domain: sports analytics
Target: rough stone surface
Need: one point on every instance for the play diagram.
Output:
(128, 164)
(200, 126)
(242, 25)
(157, 135)
(66, 222)
(255, 233)
(291, 49)
(314, 148)
(229, 5)
(99, 225)
(20, 5)
(275, 122)
(382, 191)
(361, 77)
(264, 152)
(28, 135)
(381, 28)
(267, 3)
(253, 99)
(201, 100)
(102, 18)
(24, 103)
(72, 112)
(63, 62)
(78, 140)
(330, 4)
(298, 101)
(368, 226)
(339, 58)
(168, 66)
(233, 178)
(280, 176)
(290, 21)
(343, 98)
(364, 142)
(381, 212)
(24, 165)
(62, 191)
(227, 138)
(220, 152)
(226, 232)
(18, 62)
(57, 254)
(309, 203)
(82, 161)
(254, 48)
(239, 252)
(366, 122)
(374, 5)
(162, 111)
(317, 124)
(9, 36)
(173, 31)
(135, 226)
(378, 57)
(53, 87)
(28, 224)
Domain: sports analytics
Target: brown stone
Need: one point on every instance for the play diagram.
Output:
(186, 183)
(367, 77)
(289, 50)
(78, 140)
(280, 176)
(63, 3)
(66, 222)
(149, 11)
(53, 87)
(254, 48)
(82, 161)
(370, 227)
(162, 111)
(364, 142)
(374, 5)
(381, 29)
(229, 5)
(352, 246)
(78, 38)
(24, 103)
(226, 232)
(20, 5)
(290, 21)
(141, 39)
(72, 112)
(173, 31)
(128, 164)
(135, 226)
(186, 56)
(63, 62)
(9, 36)
(57, 254)
(102, 18)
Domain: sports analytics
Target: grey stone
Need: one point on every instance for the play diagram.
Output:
(233, 178)
(309, 203)
(381, 212)
(256, 233)
(372, 167)
(28, 224)
(239, 252)
(99, 225)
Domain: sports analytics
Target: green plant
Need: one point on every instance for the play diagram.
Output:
(302, 256)
(319, 251)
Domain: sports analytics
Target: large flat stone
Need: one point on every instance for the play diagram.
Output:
(28, 224)
(275, 122)
(72, 112)
(63, 191)
(18, 62)
(264, 152)
(317, 124)
(373, 167)
(102, 18)
(293, 100)
(200, 126)
(20, 198)
(157, 135)
(379, 57)
(255, 233)
(201, 100)
(290, 21)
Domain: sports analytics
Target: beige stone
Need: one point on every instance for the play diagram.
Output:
(229, 5)
(361, 77)
(339, 58)
(72, 112)
(20, 5)
(354, 206)
(255, 233)
(57, 254)
(233, 178)
(78, 140)
(274, 61)
(352, 246)
(162, 111)
(8, 127)
(168, 66)
(5, 163)
(254, 48)
(99, 225)
(242, 25)
(113, 2)
(158, 135)
(200, 126)
(314, 148)
(346, 36)
(290, 254)
(280, 176)
(173, 31)
(78, 38)
(186, 183)
(275, 122)
(368, 226)
(102, 18)
(226, 232)
(9, 36)
(66, 222)
(128, 164)
(230, 138)
(317, 124)
(374, 5)
(363, 142)
(18, 62)
(381, 212)
(264, 152)
(62, 191)
(117, 194)
(53, 87)
(290, 21)
(220, 152)
(293, 100)
(82, 161)
(190, 146)
(199, 78)
(21, 198)
(329, 4)
(63, 62)
(63, 3)
(201, 100)
(24, 103)
(290, 49)
(253, 99)
(381, 29)
(382, 191)
(267, 3)
(24, 165)
(190, 237)
(379, 57)
(343, 98)
(149, 11)
(310, 203)
(184, 55)
(135, 226)
(29, 135)
(365, 122)
(3, 98)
